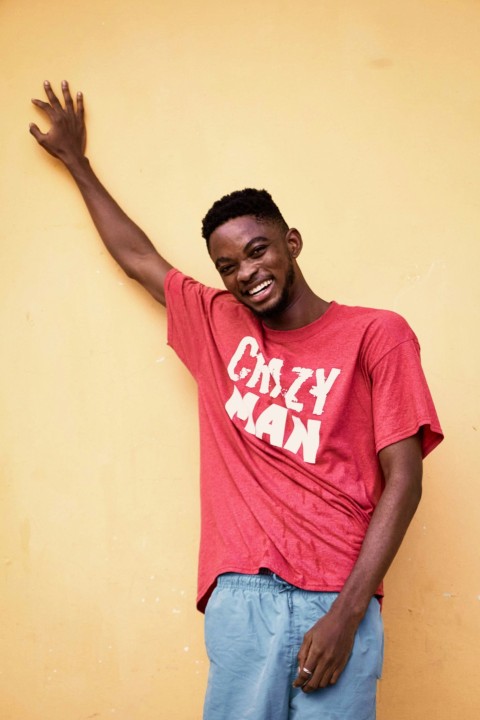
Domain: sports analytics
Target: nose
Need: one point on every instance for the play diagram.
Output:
(246, 271)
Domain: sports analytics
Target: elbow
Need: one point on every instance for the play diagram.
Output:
(132, 268)
(130, 272)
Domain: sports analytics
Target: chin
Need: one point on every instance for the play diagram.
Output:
(275, 309)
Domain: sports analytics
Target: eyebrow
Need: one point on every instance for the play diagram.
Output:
(220, 260)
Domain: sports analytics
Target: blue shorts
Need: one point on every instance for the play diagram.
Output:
(254, 627)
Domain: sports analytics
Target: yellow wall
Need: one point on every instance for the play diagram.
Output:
(363, 119)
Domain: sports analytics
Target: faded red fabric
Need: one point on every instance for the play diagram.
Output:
(290, 426)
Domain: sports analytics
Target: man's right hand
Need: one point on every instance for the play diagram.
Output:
(66, 139)
(124, 240)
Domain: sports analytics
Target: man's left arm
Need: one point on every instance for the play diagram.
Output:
(327, 645)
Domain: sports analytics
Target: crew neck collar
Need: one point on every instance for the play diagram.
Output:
(305, 331)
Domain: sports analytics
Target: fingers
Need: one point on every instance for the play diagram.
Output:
(303, 654)
(54, 101)
(309, 680)
(44, 106)
(304, 676)
(335, 676)
(80, 109)
(66, 136)
(304, 670)
(321, 678)
(66, 96)
(54, 105)
(54, 108)
(69, 101)
(315, 672)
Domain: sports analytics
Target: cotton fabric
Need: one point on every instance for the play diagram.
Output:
(254, 627)
(291, 423)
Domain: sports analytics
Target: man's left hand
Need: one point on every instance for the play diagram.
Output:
(325, 651)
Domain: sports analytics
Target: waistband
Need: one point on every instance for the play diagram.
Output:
(263, 582)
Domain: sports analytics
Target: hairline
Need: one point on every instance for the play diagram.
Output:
(259, 217)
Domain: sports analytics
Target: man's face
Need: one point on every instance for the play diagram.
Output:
(254, 259)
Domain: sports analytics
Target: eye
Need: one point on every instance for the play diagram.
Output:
(225, 269)
(258, 250)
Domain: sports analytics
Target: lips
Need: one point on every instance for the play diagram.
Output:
(259, 288)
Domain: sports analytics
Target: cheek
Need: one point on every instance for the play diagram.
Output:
(228, 282)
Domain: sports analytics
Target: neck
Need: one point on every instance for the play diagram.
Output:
(305, 307)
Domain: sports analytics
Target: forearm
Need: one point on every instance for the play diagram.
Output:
(327, 645)
(386, 531)
(124, 240)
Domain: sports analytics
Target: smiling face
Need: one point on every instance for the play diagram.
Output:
(256, 260)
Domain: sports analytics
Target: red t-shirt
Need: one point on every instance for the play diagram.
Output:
(290, 426)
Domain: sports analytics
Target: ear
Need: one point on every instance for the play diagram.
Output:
(294, 242)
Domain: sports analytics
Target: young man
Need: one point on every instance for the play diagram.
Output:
(314, 418)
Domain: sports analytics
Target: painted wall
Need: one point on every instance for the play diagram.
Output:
(362, 117)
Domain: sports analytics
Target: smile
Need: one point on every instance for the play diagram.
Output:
(258, 288)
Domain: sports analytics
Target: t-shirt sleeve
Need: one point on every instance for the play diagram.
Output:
(401, 400)
(188, 304)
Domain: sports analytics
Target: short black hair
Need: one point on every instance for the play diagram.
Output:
(249, 201)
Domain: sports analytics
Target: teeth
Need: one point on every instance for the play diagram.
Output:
(259, 287)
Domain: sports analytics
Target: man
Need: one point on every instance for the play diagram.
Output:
(314, 418)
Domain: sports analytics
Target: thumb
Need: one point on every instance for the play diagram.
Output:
(37, 134)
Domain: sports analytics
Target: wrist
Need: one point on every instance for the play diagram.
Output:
(351, 608)
(76, 165)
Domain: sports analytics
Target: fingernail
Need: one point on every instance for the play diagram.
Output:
(64, 83)
(46, 83)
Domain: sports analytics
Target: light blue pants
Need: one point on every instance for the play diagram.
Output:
(254, 627)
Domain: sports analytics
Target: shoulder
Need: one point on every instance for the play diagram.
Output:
(376, 332)
(212, 306)
(178, 285)
(374, 322)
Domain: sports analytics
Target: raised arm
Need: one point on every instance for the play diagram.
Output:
(125, 241)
